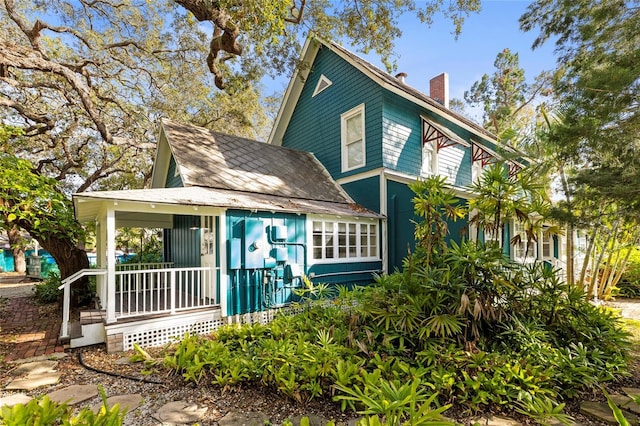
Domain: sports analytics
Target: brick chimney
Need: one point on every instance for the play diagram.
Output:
(439, 89)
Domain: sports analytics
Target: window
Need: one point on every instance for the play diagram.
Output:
(491, 236)
(323, 83)
(547, 245)
(520, 250)
(476, 171)
(429, 158)
(335, 240)
(353, 142)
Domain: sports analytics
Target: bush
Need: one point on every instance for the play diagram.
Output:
(47, 291)
(460, 323)
(43, 411)
(629, 284)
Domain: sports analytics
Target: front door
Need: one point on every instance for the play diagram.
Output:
(208, 255)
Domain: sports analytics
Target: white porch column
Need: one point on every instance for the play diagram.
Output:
(111, 265)
(101, 260)
(224, 276)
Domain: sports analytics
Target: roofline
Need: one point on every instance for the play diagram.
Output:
(308, 54)
(294, 88)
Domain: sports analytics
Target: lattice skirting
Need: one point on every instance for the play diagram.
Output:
(163, 330)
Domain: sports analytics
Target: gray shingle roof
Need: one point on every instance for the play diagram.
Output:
(212, 197)
(215, 160)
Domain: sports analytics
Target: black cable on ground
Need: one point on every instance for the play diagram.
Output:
(111, 373)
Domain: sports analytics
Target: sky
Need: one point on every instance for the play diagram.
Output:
(424, 52)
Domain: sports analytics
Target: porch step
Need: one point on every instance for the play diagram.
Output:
(90, 334)
(75, 329)
(92, 316)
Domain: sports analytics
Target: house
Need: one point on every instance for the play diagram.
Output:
(242, 222)
(375, 134)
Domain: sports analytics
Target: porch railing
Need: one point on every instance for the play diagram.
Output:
(66, 296)
(150, 291)
(139, 266)
(167, 290)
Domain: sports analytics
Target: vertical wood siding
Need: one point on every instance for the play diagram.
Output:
(185, 242)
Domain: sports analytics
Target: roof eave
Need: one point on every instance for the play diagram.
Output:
(294, 88)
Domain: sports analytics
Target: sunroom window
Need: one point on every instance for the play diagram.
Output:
(353, 140)
(344, 240)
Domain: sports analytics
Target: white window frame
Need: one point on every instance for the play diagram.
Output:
(519, 249)
(491, 236)
(476, 171)
(429, 168)
(344, 118)
(350, 247)
(320, 87)
(546, 239)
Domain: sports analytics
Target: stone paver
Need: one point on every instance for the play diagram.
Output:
(36, 367)
(16, 398)
(626, 403)
(495, 421)
(74, 394)
(602, 412)
(248, 418)
(128, 402)
(181, 412)
(34, 381)
(313, 420)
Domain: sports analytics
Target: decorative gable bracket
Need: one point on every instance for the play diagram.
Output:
(482, 154)
(514, 168)
(442, 136)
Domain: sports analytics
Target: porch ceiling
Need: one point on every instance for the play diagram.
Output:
(167, 201)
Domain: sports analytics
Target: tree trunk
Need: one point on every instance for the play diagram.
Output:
(16, 242)
(570, 256)
(70, 259)
(585, 262)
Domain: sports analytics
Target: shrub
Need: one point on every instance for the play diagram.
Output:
(43, 411)
(629, 284)
(47, 291)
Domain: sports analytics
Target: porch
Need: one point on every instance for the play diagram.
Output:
(141, 292)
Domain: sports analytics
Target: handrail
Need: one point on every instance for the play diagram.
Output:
(64, 332)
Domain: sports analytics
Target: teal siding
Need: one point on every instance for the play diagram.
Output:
(255, 285)
(172, 180)
(459, 229)
(315, 123)
(402, 138)
(399, 223)
(348, 274)
(365, 192)
(402, 142)
(185, 242)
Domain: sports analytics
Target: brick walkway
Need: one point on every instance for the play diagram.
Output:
(28, 329)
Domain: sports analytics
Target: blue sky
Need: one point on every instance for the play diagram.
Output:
(424, 52)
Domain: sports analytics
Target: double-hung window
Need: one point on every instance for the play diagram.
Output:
(353, 138)
(335, 240)
(523, 251)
